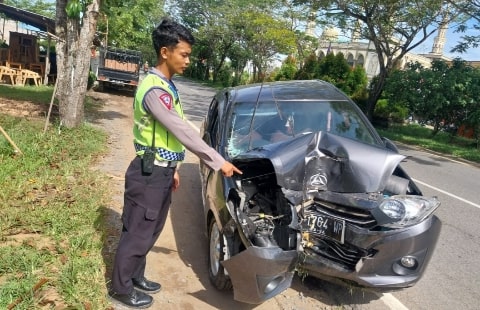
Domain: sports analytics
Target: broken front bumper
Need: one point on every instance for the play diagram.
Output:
(384, 268)
(258, 273)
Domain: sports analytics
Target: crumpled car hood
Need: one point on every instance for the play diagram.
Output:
(337, 164)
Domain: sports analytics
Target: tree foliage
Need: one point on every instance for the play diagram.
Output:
(42, 7)
(223, 34)
(129, 24)
(265, 38)
(335, 69)
(470, 20)
(443, 94)
(287, 70)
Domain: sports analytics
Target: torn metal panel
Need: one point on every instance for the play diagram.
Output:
(260, 273)
(344, 165)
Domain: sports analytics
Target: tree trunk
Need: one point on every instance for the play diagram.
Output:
(73, 60)
(374, 94)
(377, 89)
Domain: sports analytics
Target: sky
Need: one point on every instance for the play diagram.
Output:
(452, 39)
(472, 54)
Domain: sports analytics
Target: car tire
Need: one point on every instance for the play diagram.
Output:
(217, 252)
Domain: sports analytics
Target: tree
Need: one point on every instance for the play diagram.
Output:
(357, 82)
(287, 70)
(309, 68)
(295, 17)
(75, 27)
(215, 40)
(265, 37)
(42, 7)
(213, 23)
(222, 33)
(129, 24)
(333, 68)
(393, 27)
(444, 94)
(470, 10)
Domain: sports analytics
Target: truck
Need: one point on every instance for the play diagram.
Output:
(118, 68)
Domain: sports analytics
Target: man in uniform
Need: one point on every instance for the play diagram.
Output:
(160, 137)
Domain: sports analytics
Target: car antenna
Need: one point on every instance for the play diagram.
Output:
(254, 112)
(276, 104)
(290, 120)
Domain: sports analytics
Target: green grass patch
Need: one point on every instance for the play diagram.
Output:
(442, 142)
(36, 94)
(51, 215)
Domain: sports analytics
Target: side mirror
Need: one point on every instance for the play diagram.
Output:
(390, 145)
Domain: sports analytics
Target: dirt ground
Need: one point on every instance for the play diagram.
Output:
(179, 259)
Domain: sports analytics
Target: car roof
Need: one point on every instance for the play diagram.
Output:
(288, 90)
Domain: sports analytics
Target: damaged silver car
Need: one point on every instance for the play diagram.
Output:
(320, 192)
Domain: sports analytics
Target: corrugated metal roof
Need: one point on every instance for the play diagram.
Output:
(41, 22)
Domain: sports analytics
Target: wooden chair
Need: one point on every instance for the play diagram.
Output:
(15, 65)
(37, 67)
(11, 73)
(28, 74)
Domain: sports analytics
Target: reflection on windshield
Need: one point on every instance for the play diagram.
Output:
(273, 122)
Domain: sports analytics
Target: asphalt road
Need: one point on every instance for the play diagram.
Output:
(451, 281)
(452, 278)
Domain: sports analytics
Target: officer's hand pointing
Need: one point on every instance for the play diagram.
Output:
(229, 169)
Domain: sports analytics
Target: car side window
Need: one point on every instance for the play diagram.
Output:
(214, 133)
(211, 126)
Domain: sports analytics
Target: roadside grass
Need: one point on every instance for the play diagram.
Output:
(51, 221)
(442, 142)
(35, 94)
(38, 94)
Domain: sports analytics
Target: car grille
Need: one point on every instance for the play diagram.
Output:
(345, 255)
(342, 254)
(355, 216)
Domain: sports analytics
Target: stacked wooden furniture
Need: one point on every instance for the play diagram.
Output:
(28, 74)
(8, 72)
(22, 60)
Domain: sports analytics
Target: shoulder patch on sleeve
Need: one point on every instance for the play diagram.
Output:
(167, 100)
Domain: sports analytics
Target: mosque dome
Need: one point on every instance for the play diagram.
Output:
(330, 34)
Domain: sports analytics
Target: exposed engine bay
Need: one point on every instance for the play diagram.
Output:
(266, 215)
(309, 207)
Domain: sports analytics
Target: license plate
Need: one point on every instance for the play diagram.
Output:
(324, 225)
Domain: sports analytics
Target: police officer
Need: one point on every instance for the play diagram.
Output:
(159, 124)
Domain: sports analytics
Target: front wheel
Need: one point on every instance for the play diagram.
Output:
(218, 252)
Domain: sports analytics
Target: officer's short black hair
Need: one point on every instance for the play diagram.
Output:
(169, 33)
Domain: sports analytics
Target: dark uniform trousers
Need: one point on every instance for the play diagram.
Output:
(146, 203)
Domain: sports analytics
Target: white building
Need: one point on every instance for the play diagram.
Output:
(358, 53)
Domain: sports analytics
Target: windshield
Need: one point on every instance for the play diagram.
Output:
(277, 121)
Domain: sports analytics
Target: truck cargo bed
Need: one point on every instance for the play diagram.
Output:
(119, 68)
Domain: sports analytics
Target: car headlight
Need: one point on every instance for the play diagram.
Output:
(407, 210)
